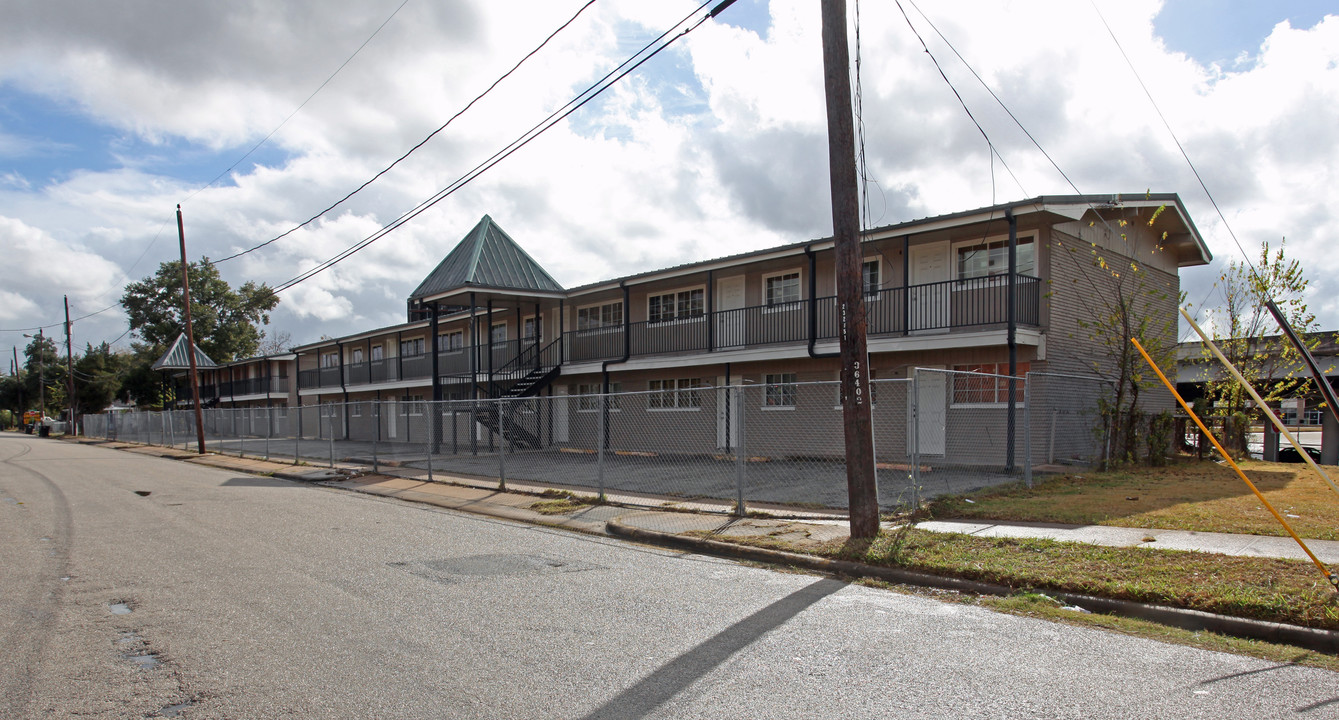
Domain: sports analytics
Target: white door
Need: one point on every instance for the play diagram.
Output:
(929, 311)
(729, 325)
(931, 411)
(559, 401)
(391, 417)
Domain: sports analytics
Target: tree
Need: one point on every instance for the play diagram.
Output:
(99, 372)
(1125, 300)
(44, 371)
(226, 322)
(1249, 337)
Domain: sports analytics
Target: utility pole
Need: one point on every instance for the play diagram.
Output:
(860, 486)
(18, 375)
(69, 369)
(190, 338)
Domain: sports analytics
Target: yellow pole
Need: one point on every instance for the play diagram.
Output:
(1258, 401)
(1172, 389)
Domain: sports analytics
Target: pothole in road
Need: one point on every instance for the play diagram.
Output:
(144, 662)
(451, 570)
(172, 711)
(119, 608)
(144, 493)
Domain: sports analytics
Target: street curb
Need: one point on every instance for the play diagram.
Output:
(1310, 638)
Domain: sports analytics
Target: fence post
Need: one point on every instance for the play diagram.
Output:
(172, 428)
(241, 434)
(330, 424)
(740, 461)
(376, 466)
(502, 446)
(269, 429)
(915, 400)
(599, 442)
(1028, 397)
(297, 435)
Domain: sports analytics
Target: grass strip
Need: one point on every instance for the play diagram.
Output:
(1201, 496)
(1286, 591)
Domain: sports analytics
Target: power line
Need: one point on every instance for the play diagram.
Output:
(1175, 139)
(415, 148)
(319, 88)
(590, 93)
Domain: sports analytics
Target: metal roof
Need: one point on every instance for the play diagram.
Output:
(176, 358)
(487, 257)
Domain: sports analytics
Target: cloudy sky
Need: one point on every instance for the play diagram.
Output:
(113, 113)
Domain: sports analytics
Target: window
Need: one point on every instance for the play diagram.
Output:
(378, 352)
(676, 305)
(448, 342)
(872, 280)
(779, 390)
(674, 394)
(528, 328)
(780, 290)
(588, 396)
(357, 355)
(992, 258)
(355, 409)
(411, 347)
(330, 359)
(498, 333)
(986, 383)
(411, 405)
(598, 316)
(873, 390)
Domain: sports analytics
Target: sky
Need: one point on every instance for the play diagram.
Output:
(112, 114)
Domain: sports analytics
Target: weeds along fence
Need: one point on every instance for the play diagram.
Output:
(776, 448)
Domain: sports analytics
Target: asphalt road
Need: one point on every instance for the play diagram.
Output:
(219, 595)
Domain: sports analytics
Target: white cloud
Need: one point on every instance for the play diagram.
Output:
(639, 179)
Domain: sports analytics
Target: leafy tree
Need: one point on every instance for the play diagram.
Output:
(44, 368)
(1249, 337)
(1126, 301)
(226, 321)
(98, 377)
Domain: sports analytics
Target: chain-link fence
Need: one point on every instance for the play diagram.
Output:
(774, 448)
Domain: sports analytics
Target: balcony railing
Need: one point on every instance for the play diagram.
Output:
(942, 306)
(948, 305)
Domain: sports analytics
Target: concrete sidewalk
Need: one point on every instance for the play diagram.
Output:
(476, 494)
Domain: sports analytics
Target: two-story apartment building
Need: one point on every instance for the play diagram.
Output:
(489, 322)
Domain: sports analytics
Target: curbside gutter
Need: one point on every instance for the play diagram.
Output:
(1310, 638)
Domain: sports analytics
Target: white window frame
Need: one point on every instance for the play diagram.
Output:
(528, 324)
(412, 405)
(585, 393)
(1001, 389)
(418, 342)
(355, 355)
(599, 307)
(493, 332)
(784, 305)
(329, 359)
(788, 389)
(675, 395)
(444, 341)
(355, 409)
(377, 352)
(872, 294)
(676, 316)
(1000, 277)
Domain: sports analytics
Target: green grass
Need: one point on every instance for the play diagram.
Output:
(1187, 495)
(561, 502)
(1266, 589)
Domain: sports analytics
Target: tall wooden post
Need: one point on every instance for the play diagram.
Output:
(860, 484)
(69, 370)
(190, 338)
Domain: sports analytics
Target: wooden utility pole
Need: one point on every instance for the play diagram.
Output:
(190, 338)
(69, 369)
(860, 485)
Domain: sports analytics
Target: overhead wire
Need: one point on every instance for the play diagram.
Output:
(298, 109)
(576, 103)
(416, 147)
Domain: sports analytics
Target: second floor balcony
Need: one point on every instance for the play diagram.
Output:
(928, 308)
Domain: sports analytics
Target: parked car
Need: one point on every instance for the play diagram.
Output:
(1289, 454)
